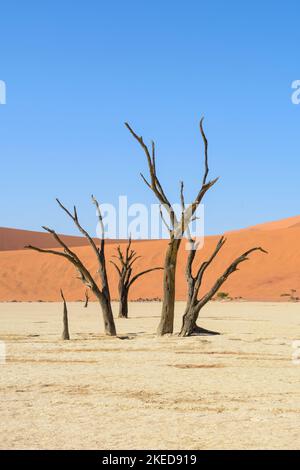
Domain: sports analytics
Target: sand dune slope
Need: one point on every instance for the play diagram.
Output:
(15, 239)
(25, 275)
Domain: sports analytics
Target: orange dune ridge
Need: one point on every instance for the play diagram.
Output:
(16, 239)
(31, 276)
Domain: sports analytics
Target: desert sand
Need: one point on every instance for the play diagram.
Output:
(14, 239)
(31, 276)
(237, 390)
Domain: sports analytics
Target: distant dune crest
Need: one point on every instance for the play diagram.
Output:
(29, 276)
(15, 239)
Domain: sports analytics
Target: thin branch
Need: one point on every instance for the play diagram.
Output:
(153, 156)
(42, 250)
(100, 218)
(74, 217)
(205, 151)
(127, 257)
(164, 220)
(142, 273)
(127, 277)
(60, 242)
(205, 185)
(121, 258)
(86, 276)
(206, 264)
(155, 184)
(231, 269)
(117, 267)
(62, 295)
(133, 261)
(145, 181)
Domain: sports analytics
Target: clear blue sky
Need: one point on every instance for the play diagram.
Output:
(76, 70)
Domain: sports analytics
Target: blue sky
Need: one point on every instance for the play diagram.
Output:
(75, 71)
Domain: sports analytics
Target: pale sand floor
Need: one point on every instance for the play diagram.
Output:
(238, 390)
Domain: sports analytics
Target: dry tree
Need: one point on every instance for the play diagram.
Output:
(124, 269)
(87, 298)
(65, 333)
(195, 304)
(176, 226)
(101, 292)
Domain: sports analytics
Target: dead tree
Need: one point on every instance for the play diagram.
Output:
(65, 333)
(194, 305)
(126, 278)
(176, 227)
(101, 292)
(86, 294)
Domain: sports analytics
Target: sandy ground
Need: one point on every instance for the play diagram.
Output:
(239, 390)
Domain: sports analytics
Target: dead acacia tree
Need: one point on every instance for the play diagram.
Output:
(86, 294)
(194, 305)
(65, 333)
(126, 278)
(101, 292)
(176, 226)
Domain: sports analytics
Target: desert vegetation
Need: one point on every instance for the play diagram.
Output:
(127, 277)
(101, 292)
(194, 281)
(291, 296)
(178, 228)
(65, 334)
(87, 298)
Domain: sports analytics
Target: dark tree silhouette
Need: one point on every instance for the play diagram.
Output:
(127, 277)
(65, 333)
(101, 292)
(176, 227)
(87, 298)
(194, 305)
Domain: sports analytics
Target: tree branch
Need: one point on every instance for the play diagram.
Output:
(74, 217)
(205, 151)
(231, 269)
(86, 276)
(164, 220)
(142, 273)
(100, 218)
(53, 252)
(155, 184)
(117, 267)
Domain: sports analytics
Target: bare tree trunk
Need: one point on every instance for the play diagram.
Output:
(123, 302)
(124, 269)
(108, 318)
(167, 314)
(175, 227)
(86, 299)
(65, 333)
(188, 321)
(194, 306)
(189, 325)
(102, 293)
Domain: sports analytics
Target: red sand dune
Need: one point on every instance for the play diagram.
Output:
(289, 222)
(16, 239)
(30, 276)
